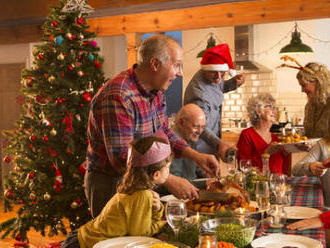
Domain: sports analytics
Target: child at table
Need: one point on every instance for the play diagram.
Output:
(135, 210)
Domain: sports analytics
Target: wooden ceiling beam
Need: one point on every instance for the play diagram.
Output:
(212, 16)
(219, 15)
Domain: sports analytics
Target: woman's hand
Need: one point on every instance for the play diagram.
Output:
(317, 168)
(306, 224)
(156, 204)
(272, 148)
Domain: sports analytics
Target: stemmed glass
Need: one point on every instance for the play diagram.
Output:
(278, 186)
(245, 165)
(262, 197)
(176, 212)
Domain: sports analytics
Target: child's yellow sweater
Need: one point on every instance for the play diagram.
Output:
(124, 215)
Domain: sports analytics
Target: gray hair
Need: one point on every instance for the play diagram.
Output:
(255, 104)
(157, 46)
(321, 76)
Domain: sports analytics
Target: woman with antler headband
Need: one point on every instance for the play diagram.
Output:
(314, 80)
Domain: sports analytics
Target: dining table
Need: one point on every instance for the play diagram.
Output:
(306, 192)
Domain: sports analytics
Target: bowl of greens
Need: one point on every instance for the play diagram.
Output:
(237, 230)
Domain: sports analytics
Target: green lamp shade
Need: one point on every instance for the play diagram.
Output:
(296, 45)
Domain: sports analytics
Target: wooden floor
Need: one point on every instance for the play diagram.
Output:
(36, 239)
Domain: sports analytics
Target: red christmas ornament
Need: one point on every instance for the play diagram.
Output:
(31, 175)
(87, 97)
(69, 151)
(45, 138)
(78, 200)
(8, 194)
(41, 99)
(59, 101)
(18, 237)
(40, 56)
(70, 67)
(54, 23)
(80, 20)
(82, 168)
(79, 57)
(97, 65)
(51, 38)
(32, 137)
(6, 159)
(62, 74)
(45, 76)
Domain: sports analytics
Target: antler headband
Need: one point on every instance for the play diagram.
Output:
(299, 67)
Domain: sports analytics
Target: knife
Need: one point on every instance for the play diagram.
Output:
(212, 196)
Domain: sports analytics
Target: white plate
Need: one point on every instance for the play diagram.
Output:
(279, 240)
(127, 242)
(167, 198)
(296, 212)
(292, 147)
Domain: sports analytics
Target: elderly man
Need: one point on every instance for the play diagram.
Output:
(207, 88)
(129, 106)
(189, 124)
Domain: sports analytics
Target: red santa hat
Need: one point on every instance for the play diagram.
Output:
(218, 58)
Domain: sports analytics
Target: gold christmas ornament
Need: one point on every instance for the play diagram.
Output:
(60, 56)
(53, 132)
(69, 35)
(51, 79)
(74, 205)
(47, 197)
(32, 196)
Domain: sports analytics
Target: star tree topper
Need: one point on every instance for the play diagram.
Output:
(77, 6)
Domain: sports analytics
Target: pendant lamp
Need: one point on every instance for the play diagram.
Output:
(296, 45)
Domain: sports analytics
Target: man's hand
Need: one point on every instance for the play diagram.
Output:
(326, 163)
(223, 148)
(317, 168)
(207, 162)
(240, 79)
(306, 224)
(181, 188)
(156, 204)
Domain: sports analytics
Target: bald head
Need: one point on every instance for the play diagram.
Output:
(190, 122)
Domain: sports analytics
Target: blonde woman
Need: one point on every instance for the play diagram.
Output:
(314, 80)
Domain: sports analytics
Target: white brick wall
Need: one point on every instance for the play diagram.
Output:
(234, 105)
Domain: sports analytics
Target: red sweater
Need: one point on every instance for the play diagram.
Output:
(251, 146)
(325, 218)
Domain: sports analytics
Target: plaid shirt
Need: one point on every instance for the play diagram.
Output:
(123, 110)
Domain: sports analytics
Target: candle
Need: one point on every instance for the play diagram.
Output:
(207, 240)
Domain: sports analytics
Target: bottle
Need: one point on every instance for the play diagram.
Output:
(265, 164)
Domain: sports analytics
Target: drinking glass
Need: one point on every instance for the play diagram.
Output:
(232, 164)
(278, 216)
(176, 212)
(278, 186)
(262, 197)
(245, 165)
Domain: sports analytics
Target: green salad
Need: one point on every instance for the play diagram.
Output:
(237, 234)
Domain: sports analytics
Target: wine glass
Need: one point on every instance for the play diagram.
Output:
(176, 212)
(245, 165)
(262, 197)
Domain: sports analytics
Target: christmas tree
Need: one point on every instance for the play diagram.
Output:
(48, 147)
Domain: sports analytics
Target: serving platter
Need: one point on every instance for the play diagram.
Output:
(294, 147)
(128, 242)
(279, 240)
